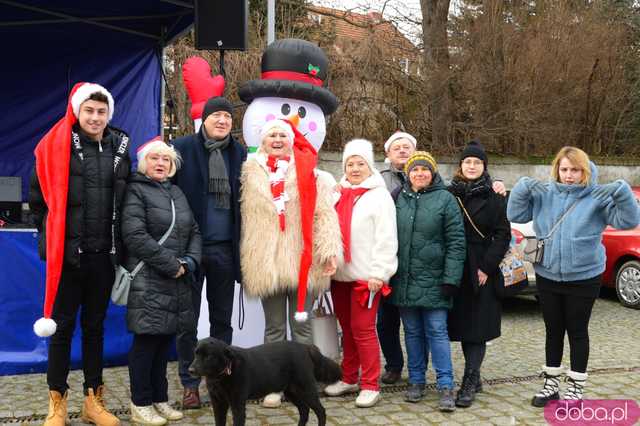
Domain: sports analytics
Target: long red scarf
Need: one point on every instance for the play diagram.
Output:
(306, 158)
(278, 169)
(344, 207)
(53, 154)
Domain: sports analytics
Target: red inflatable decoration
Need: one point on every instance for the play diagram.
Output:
(200, 84)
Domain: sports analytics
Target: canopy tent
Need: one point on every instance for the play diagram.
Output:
(48, 46)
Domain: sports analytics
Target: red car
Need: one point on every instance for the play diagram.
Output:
(623, 262)
(622, 270)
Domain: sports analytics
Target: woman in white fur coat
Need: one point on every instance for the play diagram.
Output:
(367, 217)
(272, 239)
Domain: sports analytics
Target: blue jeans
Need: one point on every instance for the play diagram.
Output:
(424, 330)
(388, 327)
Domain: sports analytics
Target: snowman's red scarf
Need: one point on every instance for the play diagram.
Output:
(306, 158)
(53, 154)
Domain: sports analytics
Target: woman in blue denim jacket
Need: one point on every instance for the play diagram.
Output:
(568, 276)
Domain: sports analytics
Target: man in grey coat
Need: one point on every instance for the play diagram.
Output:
(398, 148)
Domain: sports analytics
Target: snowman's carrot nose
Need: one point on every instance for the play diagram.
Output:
(294, 119)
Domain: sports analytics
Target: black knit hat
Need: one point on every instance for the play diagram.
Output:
(474, 149)
(215, 104)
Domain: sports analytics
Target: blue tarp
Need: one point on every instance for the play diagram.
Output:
(48, 48)
(22, 296)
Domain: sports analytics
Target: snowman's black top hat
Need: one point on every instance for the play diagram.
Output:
(292, 68)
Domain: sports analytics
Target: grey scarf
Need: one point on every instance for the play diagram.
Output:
(218, 177)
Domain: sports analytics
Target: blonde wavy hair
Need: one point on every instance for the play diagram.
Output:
(578, 158)
(162, 149)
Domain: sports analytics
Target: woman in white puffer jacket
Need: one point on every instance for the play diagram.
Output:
(368, 223)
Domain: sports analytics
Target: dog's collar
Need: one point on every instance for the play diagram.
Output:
(226, 371)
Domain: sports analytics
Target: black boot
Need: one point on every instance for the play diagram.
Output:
(467, 392)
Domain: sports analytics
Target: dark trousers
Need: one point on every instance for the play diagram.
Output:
(87, 287)
(388, 327)
(568, 313)
(473, 355)
(217, 268)
(148, 359)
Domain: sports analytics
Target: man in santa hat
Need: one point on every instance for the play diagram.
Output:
(81, 170)
(211, 182)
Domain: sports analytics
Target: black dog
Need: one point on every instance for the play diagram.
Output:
(235, 375)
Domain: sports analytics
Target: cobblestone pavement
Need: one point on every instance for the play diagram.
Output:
(509, 375)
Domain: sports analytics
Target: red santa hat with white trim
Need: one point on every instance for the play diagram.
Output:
(84, 92)
(144, 149)
(53, 154)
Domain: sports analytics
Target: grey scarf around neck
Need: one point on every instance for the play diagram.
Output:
(218, 177)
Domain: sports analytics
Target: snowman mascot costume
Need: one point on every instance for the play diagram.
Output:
(290, 242)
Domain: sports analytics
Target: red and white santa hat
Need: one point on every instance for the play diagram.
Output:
(400, 135)
(146, 147)
(84, 92)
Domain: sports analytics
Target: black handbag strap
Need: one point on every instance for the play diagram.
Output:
(555, 226)
(469, 217)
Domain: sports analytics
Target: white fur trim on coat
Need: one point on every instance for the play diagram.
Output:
(270, 258)
(83, 93)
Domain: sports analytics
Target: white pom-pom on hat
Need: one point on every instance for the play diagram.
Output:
(84, 92)
(301, 316)
(44, 327)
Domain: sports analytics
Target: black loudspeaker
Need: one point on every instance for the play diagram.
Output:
(221, 24)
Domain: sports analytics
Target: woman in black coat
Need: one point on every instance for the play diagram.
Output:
(476, 314)
(159, 301)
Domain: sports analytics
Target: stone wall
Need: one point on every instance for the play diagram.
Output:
(509, 172)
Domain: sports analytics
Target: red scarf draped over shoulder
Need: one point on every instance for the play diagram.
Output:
(344, 207)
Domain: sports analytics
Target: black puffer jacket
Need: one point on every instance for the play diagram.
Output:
(158, 303)
(93, 182)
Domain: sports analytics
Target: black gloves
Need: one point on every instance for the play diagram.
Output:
(449, 290)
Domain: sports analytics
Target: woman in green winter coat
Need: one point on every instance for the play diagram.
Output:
(431, 255)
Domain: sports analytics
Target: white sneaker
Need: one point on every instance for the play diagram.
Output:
(367, 398)
(167, 411)
(146, 415)
(273, 400)
(340, 388)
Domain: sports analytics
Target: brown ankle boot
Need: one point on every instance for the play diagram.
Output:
(57, 409)
(94, 411)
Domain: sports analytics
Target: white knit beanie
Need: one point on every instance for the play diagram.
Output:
(361, 147)
(400, 135)
(84, 92)
(280, 124)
